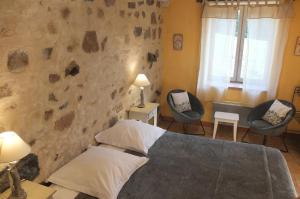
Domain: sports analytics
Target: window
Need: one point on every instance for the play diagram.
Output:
(241, 26)
(241, 47)
(253, 56)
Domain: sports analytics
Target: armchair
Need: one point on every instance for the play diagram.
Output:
(259, 126)
(186, 117)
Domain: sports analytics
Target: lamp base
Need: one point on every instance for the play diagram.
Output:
(22, 195)
(141, 106)
(17, 192)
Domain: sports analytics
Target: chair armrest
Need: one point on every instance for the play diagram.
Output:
(258, 112)
(196, 105)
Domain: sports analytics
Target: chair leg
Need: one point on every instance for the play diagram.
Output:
(284, 144)
(244, 136)
(184, 127)
(202, 128)
(265, 140)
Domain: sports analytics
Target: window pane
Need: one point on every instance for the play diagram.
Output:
(258, 47)
(223, 47)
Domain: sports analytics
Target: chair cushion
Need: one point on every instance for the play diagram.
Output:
(181, 101)
(260, 124)
(277, 113)
(193, 115)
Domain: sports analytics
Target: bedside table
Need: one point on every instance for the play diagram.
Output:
(144, 114)
(33, 191)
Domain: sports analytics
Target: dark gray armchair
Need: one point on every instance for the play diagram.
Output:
(259, 126)
(186, 117)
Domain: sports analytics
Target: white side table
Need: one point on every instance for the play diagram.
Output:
(33, 191)
(144, 114)
(232, 118)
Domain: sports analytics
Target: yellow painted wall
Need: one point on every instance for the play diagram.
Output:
(180, 68)
(290, 74)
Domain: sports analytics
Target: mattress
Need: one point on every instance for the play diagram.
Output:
(185, 166)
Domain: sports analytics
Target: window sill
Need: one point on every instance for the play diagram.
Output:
(237, 86)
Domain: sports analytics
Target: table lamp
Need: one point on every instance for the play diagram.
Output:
(141, 81)
(12, 149)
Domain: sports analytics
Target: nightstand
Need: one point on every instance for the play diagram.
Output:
(145, 114)
(33, 190)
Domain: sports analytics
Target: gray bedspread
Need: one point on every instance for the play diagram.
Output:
(183, 166)
(191, 167)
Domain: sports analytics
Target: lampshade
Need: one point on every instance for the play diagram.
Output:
(141, 81)
(12, 147)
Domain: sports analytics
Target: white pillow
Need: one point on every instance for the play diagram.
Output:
(181, 101)
(131, 134)
(276, 113)
(99, 172)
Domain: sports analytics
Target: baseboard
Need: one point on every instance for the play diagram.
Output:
(170, 119)
(205, 123)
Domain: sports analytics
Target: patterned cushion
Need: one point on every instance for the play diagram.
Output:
(181, 101)
(276, 113)
(272, 117)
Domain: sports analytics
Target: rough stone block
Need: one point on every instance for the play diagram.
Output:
(131, 5)
(159, 32)
(140, 3)
(73, 69)
(17, 61)
(48, 114)
(52, 98)
(53, 78)
(153, 18)
(5, 91)
(154, 33)
(150, 2)
(65, 105)
(138, 31)
(112, 121)
(100, 13)
(103, 43)
(122, 13)
(65, 13)
(109, 3)
(47, 52)
(90, 42)
(113, 94)
(147, 33)
(51, 28)
(64, 122)
(137, 14)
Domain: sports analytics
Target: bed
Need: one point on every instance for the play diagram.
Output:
(191, 167)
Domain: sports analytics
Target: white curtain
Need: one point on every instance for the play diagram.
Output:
(263, 58)
(218, 49)
(263, 51)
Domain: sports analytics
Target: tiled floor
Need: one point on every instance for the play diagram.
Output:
(225, 132)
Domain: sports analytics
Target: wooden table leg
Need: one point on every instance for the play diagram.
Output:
(234, 130)
(215, 128)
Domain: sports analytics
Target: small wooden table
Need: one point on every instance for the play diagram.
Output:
(232, 118)
(33, 191)
(145, 114)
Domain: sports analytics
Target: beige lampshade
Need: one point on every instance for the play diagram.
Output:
(141, 81)
(12, 147)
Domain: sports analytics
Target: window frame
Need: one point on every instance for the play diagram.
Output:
(242, 29)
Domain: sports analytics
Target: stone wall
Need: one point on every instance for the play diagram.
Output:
(67, 68)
